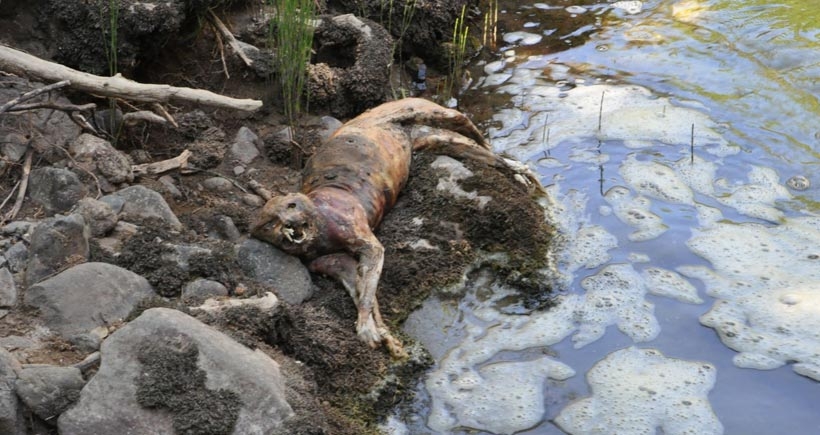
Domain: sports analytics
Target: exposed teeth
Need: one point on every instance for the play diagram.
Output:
(290, 232)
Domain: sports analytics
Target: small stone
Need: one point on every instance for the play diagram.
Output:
(56, 190)
(253, 200)
(17, 228)
(56, 243)
(218, 184)
(170, 186)
(16, 256)
(245, 146)
(98, 155)
(100, 217)
(238, 170)
(13, 147)
(49, 390)
(285, 274)
(144, 206)
(328, 127)
(225, 229)
(201, 289)
(8, 291)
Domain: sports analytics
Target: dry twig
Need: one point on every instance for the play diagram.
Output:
(33, 93)
(232, 41)
(21, 192)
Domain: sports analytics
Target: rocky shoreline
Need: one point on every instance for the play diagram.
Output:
(136, 303)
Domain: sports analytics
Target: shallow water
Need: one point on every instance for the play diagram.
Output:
(667, 132)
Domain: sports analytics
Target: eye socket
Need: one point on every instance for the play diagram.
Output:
(291, 205)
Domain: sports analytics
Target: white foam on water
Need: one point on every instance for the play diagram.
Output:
(614, 296)
(663, 282)
(522, 38)
(767, 281)
(501, 397)
(578, 243)
(634, 211)
(697, 173)
(639, 391)
(656, 180)
(628, 113)
(759, 196)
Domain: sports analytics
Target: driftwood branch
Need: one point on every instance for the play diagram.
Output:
(178, 162)
(24, 64)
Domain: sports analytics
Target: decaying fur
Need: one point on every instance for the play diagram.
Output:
(351, 182)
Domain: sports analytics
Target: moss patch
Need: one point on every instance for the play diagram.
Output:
(171, 380)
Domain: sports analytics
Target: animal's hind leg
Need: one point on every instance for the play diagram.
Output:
(458, 147)
(461, 148)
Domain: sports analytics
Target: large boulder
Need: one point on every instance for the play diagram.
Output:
(167, 373)
(87, 296)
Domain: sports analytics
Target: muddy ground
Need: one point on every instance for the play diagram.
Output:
(335, 384)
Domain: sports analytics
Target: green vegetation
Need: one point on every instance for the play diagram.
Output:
(457, 56)
(292, 33)
(490, 24)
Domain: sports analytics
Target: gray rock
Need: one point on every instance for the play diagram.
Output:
(8, 291)
(49, 390)
(98, 215)
(225, 229)
(328, 126)
(253, 200)
(267, 265)
(218, 184)
(97, 155)
(195, 362)
(87, 296)
(144, 206)
(16, 256)
(10, 368)
(170, 186)
(13, 147)
(17, 228)
(56, 243)
(182, 254)
(56, 190)
(201, 289)
(245, 146)
(11, 413)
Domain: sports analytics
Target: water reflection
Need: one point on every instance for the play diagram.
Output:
(668, 153)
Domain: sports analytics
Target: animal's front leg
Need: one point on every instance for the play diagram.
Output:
(371, 260)
(370, 327)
